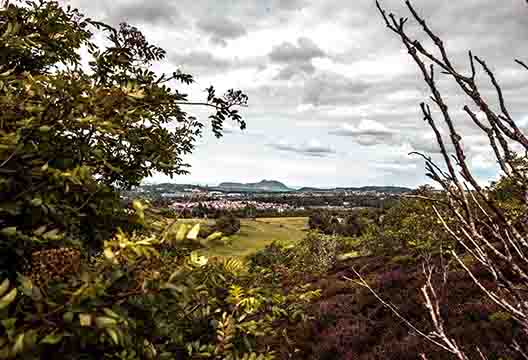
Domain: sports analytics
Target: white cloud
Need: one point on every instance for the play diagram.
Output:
(329, 77)
(367, 133)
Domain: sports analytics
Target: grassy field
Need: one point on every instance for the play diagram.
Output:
(256, 234)
(294, 223)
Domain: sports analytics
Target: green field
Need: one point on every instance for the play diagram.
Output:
(256, 234)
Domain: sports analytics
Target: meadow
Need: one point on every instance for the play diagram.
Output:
(255, 234)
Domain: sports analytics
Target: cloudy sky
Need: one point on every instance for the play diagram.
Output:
(333, 97)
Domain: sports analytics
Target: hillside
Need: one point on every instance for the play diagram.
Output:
(268, 186)
(385, 189)
(264, 185)
(350, 323)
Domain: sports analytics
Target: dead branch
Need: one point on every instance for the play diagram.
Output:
(481, 226)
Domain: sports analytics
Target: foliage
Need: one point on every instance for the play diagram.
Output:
(318, 253)
(510, 197)
(276, 254)
(70, 138)
(314, 254)
(71, 135)
(228, 224)
(403, 259)
(410, 225)
(352, 224)
(350, 323)
(140, 301)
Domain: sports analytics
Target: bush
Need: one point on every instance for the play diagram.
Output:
(272, 255)
(134, 301)
(227, 224)
(318, 252)
(404, 259)
(351, 224)
(206, 230)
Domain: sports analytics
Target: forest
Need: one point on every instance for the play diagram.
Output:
(84, 274)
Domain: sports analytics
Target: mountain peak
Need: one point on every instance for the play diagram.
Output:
(263, 185)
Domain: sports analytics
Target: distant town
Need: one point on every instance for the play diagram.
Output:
(265, 196)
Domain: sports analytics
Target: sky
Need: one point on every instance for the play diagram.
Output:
(333, 96)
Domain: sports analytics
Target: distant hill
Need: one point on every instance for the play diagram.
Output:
(268, 186)
(264, 185)
(313, 189)
(386, 189)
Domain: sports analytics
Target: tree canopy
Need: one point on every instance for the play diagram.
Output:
(74, 129)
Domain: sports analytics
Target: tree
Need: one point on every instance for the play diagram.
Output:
(318, 220)
(72, 135)
(70, 138)
(480, 223)
(228, 224)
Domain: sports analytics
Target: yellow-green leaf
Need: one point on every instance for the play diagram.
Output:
(40, 230)
(68, 317)
(9, 231)
(4, 286)
(52, 338)
(36, 202)
(113, 335)
(85, 319)
(8, 299)
(104, 321)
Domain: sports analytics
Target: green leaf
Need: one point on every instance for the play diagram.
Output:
(9, 324)
(104, 322)
(26, 285)
(68, 316)
(4, 286)
(52, 338)
(19, 343)
(9, 231)
(85, 319)
(113, 335)
(8, 298)
(53, 235)
(40, 230)
(36, 202)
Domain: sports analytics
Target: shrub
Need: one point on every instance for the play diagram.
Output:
(274, 254)
(206, 230)
(351, 225)
(318, 252)
(227, 224)
(404, 259)
(500, 316)
(137, 300)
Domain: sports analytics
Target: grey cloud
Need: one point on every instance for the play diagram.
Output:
(134, 12)
(221, 29)
(296, 58)
(333, 89)
(358, 132)
(290, 71)
(368, 137)
(200, 60)
(497, 33)
(149, 12)
(291, 4)
(305, 50)
(306, 149)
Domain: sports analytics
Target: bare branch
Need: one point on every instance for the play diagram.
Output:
(522, 63)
